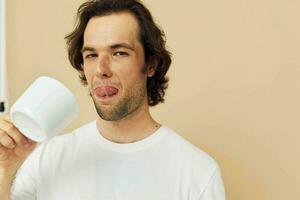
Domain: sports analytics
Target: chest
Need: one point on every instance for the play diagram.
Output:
(114, 178)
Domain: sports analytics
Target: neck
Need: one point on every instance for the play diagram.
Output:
(132, 128)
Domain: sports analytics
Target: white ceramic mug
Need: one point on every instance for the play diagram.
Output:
(44, 109)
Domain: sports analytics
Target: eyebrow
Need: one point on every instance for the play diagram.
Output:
(113, 46)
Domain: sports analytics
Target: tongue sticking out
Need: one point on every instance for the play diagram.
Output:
(106, 91)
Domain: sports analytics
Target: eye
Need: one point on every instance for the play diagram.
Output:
(120, 53)
(91, 55)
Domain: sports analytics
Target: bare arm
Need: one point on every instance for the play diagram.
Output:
(6, 180)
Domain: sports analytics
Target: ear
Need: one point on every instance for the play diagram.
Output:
(151, 71)
(152, 66)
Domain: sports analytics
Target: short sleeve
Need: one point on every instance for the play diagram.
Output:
(214, 189)
(25, 182)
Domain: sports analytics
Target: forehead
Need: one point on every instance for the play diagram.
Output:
(117, 27)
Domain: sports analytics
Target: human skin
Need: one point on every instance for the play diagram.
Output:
(114, 58)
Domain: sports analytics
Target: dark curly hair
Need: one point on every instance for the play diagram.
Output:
(151, 37)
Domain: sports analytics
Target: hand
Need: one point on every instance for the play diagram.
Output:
(14, 146)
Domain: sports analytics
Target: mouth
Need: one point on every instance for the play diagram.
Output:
(105, 93)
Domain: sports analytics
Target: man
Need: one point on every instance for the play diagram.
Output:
(125, 154)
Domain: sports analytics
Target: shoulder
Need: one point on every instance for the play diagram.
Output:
(73, 137)
(76, 134)
(191, 154)
(199, 169)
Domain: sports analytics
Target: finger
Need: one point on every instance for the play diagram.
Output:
(14, 133)
(5, 117)
(6, 141)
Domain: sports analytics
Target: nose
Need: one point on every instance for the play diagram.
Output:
(104, 67)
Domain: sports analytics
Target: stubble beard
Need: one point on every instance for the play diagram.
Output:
(129, 104)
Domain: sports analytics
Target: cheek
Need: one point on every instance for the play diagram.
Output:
(88, 75)
(134, 80)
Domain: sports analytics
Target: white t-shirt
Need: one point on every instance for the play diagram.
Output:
(86, 166)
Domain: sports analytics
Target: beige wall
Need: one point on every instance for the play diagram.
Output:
(235, 81)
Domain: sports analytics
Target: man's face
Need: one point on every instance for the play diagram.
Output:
(114, 65)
